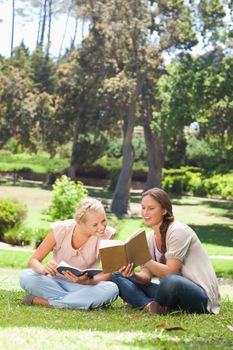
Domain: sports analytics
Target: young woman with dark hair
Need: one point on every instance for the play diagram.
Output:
(187, 278)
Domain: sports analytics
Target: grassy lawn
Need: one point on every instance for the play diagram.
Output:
(114, 327)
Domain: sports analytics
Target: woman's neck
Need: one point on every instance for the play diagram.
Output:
(156, 229)
(79, 237)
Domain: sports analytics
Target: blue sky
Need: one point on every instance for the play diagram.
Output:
(27, 31)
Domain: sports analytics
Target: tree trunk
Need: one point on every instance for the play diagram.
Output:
(65, 30)
(73, 162)
(72, 45)
(39, 25)
(43, 23)
(49, 27)
(120, 201)
(13, 26)
(154, 158)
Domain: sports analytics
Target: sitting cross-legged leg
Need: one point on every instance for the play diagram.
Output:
(66, 294)
(178, 292)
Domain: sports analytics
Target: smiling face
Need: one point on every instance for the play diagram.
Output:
(95, 222)
(152, 212)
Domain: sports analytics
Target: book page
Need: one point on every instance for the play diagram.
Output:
(135, 234)
(65, 264)
(104, 243)
(137, 249)
(113, 258)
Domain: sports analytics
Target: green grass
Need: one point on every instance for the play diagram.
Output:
(36, 200)
(114, 327)
(223, 268)
(35, 163)
(16, 259)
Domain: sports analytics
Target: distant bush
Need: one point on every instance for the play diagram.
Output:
(18, 235)
(12, 214)
(220, 186)
(192, 180)
(179, 180)
(38, 235)
(66, 195)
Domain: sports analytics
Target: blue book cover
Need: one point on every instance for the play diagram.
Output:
(63, 266)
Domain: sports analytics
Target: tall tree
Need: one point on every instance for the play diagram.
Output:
(12, 26)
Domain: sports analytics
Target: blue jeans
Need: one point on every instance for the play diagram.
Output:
(66, 294)
(173, 291)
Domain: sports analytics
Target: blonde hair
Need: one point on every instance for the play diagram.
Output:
(86, 205)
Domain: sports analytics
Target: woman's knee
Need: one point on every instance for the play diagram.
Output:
(111, 289)
(116, 276)
(171, 283)
(26, 277)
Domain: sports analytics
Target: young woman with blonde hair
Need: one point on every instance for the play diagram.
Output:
(75, 241)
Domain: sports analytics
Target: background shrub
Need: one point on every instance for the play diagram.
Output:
(18, 235)
(38, 235)
(66, 195)
(12, 214)
(220, 186)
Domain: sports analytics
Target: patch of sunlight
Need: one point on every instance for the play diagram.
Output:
(41, 338)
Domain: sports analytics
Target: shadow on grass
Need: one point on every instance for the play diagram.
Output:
(215, 234)
(228, 206)
(112, 318)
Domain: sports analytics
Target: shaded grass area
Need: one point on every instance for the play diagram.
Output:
(216, 238)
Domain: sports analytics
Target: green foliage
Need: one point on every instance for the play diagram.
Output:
(199, 89)
(65, 197)
(13, 146)
(177, 180)
(24, 235)
(12, 213)
(18, 235)
(41, 164)
(192, 180)
(220, 186)
(114, 148)
(38, 235)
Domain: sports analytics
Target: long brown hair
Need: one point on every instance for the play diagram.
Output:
(163, 199)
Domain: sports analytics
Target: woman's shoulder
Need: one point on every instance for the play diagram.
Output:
(63, 225)
(179, 227)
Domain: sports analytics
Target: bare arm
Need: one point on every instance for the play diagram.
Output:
(171, 267)
(142, 277)
(41, 252)
(84, 279)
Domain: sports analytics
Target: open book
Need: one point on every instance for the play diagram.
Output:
(115, 254)
(63, 266)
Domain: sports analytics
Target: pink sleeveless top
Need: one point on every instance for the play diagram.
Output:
(87, 256)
